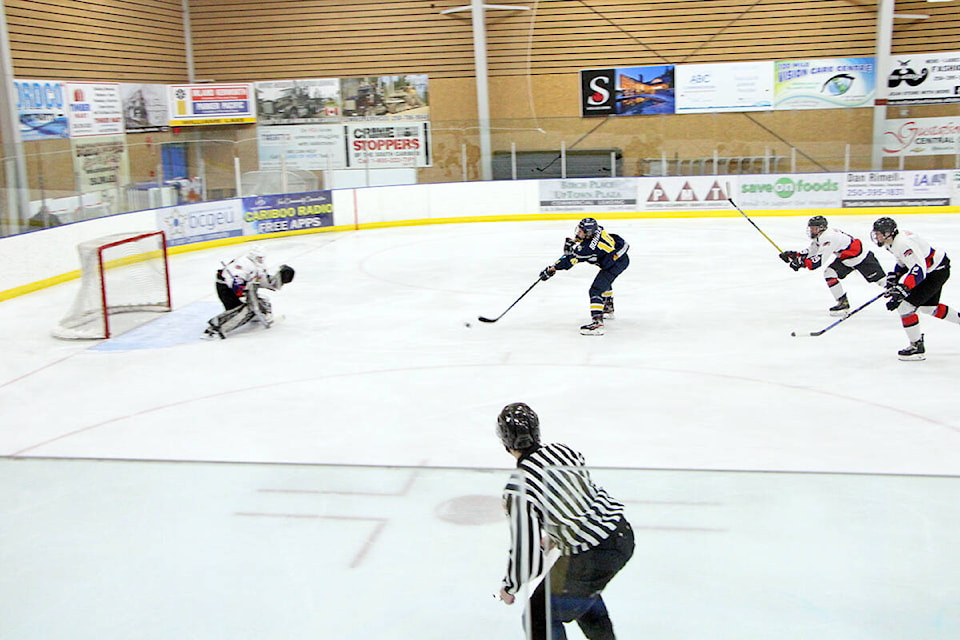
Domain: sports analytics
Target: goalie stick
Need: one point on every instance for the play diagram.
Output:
(832, 325)
(484, 319)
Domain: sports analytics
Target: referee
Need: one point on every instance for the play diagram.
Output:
(552, 503)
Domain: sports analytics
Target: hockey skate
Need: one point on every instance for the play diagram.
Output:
(914, 352)
(594, 328)
(841, 308)
(608, 308)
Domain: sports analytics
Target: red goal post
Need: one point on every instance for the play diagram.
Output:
(119, 273)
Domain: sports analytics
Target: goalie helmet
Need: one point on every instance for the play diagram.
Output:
(884, 229)
(518, 427)
(815, 226)
(286, 273)
(255, 255)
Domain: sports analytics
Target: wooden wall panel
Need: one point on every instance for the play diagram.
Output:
(246, 39)
(115, 40)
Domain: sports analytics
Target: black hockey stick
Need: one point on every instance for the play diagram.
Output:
(483, 319)
(831, 326)
(730, 200)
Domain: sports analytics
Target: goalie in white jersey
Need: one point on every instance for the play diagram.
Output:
(915, 282)
(848, 253)
(238, 284)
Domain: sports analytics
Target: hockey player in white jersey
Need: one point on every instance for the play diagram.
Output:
(915, 282)
(848, 255)
(238, 286)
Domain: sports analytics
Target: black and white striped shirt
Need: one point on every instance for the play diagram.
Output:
(551, 494)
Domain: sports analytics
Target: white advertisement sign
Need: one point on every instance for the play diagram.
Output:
(94, 109)
(683, 193)
(739, 86)
(588, 194)
(897, 189)
(188, 223)
(387, 145)
(306, 147)
(795, 191)
(924, 78)
(922, 137)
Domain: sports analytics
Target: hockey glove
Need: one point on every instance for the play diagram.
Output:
(568, 246)
(892, 279)
(896, 293)
(787, 256)
(547, 273)
(797, 262)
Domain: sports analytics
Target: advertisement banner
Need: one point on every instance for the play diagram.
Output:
(824, 84)
(588, 194)
(144, 107)
(189, 223)
(207, 104)
(922, 137)
(312, 101)
(683, 193)
(897, 189)
(102, 167)
(41, 109)
(94, 109)
(287, 212)
(715, 88)
(385, 97)
(794, 191)
(924, 78)
(629, 91)
(304, 147)
(387, 145)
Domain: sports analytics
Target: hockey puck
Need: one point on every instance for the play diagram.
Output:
(466, 324)
(793, 333)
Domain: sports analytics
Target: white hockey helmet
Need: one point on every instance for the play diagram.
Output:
(255, 254)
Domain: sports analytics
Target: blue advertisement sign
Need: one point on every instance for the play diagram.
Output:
(41, 109)
(287, 212)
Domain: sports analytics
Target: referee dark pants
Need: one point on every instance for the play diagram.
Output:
(575, 585)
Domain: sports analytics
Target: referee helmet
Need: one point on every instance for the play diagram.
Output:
(518, 427)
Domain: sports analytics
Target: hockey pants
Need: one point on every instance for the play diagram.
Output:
(575, 583)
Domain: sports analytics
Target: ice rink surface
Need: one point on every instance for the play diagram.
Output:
(345, 473)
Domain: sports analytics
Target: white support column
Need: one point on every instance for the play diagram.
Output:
(14, 161)
(477, 13)
(882, 62)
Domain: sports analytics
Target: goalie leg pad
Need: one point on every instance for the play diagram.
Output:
(231, 320)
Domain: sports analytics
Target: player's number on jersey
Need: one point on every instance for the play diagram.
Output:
(607, 243)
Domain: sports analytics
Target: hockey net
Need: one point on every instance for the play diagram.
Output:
(119, 273)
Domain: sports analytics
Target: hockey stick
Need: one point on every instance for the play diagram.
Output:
(483, 319)
(730, 200)
(831, 326)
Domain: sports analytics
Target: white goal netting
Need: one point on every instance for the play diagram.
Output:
(119, 273)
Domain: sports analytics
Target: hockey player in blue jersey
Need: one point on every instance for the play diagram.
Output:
(608, 251)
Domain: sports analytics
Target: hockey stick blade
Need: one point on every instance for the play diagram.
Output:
(482, 319)
(814, 334)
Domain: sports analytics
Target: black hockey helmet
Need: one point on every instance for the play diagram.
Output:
(286, 273)
(518, 427)
(816, 225)
(588, 226)
(883, 229)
